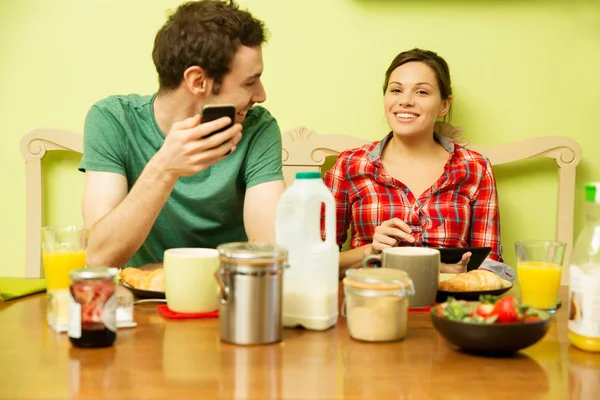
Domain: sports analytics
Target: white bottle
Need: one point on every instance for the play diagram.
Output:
(584, 290)
(310, 284)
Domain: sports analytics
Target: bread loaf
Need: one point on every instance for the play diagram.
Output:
(132, 276)
(154, 281)
(472, 281)
(144, 280)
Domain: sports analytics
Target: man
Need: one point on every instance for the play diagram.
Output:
(154, 180)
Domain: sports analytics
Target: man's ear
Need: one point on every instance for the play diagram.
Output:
(445, 106)
(197, 82)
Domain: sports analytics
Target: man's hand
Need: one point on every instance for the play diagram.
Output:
(390, 233)
(186, 151)
(457, 268)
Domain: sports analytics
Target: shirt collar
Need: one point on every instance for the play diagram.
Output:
(376, 153)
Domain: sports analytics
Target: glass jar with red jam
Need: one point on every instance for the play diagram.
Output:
(92, 307)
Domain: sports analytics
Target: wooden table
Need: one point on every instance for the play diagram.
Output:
(178, 359)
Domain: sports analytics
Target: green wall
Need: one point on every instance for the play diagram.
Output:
(520, 69)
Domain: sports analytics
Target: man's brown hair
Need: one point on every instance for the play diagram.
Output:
(207, 34)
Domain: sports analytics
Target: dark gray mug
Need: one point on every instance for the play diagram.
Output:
(422, 265)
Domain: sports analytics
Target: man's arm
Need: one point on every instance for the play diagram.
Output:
(260, 205)
(120, 222)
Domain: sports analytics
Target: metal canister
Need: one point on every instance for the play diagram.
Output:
(251, 281)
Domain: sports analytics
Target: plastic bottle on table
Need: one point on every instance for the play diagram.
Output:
(584, 291)
(310, 284)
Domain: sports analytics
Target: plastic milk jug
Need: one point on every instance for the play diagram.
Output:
(310, 284)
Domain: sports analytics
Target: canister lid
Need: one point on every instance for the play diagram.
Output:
(252, 252)
(379, 279)
(89, 273)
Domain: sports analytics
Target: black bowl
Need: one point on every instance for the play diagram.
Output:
(492, 338)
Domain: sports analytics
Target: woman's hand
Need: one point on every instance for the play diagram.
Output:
(457, 268)
(390, 233)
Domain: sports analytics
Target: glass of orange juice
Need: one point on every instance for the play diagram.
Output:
(539, 268)
(63, 250)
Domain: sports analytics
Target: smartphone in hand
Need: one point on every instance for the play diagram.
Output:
(211, 112)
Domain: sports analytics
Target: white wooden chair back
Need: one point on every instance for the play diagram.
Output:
(305, 150)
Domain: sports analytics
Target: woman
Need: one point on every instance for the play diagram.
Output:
(416, 187)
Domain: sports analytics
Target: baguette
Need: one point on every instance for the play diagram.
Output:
(472, 281)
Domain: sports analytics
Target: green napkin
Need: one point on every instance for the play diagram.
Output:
(12, 288)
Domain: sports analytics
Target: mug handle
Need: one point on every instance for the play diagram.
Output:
(371, 259)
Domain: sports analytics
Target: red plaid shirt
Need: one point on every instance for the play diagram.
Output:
(459, 210)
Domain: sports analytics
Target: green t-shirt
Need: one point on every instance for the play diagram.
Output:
(204, 210)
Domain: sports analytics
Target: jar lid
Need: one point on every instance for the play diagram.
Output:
(379, 279)
(255, 252)
(89, 273)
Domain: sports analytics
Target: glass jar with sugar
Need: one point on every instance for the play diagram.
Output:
(376, 303)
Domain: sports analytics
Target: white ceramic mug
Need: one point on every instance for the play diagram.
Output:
(190, 286)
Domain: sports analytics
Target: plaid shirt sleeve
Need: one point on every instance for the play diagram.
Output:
(336, 180)
(485, 217)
